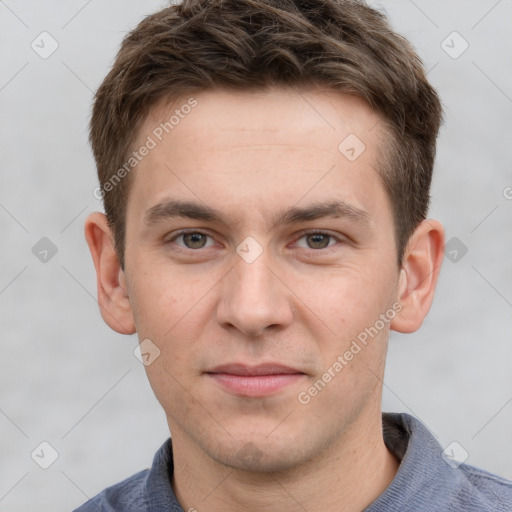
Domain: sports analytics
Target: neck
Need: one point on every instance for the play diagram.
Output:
(345, 477)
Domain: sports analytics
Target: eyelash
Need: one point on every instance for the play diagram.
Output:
(302, 235)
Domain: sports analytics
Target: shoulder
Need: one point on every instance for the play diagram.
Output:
(491, 491)
(126, 496)
(429, 480)
(147, 490)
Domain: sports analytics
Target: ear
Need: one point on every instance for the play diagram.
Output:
(112, 292)
(418, 276)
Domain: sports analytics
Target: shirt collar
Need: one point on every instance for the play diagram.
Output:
(422, 468)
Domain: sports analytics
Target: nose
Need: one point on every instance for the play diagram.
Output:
(254, 298)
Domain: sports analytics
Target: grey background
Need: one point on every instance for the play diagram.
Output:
(67, 379)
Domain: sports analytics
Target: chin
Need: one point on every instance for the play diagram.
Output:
(261, 454)
(251, 457)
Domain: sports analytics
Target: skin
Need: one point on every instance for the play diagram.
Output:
(300, 303)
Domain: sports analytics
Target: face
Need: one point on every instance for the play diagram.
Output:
(259, 250)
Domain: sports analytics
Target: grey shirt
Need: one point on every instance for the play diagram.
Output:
(426, 481)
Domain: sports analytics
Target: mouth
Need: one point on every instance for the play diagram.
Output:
(254, 381)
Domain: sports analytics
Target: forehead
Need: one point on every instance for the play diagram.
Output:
(278, 110)
(258, 147)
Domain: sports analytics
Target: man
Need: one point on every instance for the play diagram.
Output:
(265, 168)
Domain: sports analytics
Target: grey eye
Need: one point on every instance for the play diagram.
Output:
(194, 240)
(318, 240)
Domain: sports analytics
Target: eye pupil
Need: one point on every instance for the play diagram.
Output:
(318, 241)
(194, 240)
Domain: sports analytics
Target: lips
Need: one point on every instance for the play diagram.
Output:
(261, 369)
(254, 380)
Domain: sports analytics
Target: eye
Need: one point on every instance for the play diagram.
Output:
(192, 240)
(317, 240)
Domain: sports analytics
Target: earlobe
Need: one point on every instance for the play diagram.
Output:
(419, 274)
(112, 292)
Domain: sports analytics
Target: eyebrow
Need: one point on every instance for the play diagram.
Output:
(171, 208)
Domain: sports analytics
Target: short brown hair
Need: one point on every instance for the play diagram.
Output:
(200, 45)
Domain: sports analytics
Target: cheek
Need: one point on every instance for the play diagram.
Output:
(166, 297)
(173, 311)
(346, 301)
(171, 388)
(354, 347)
